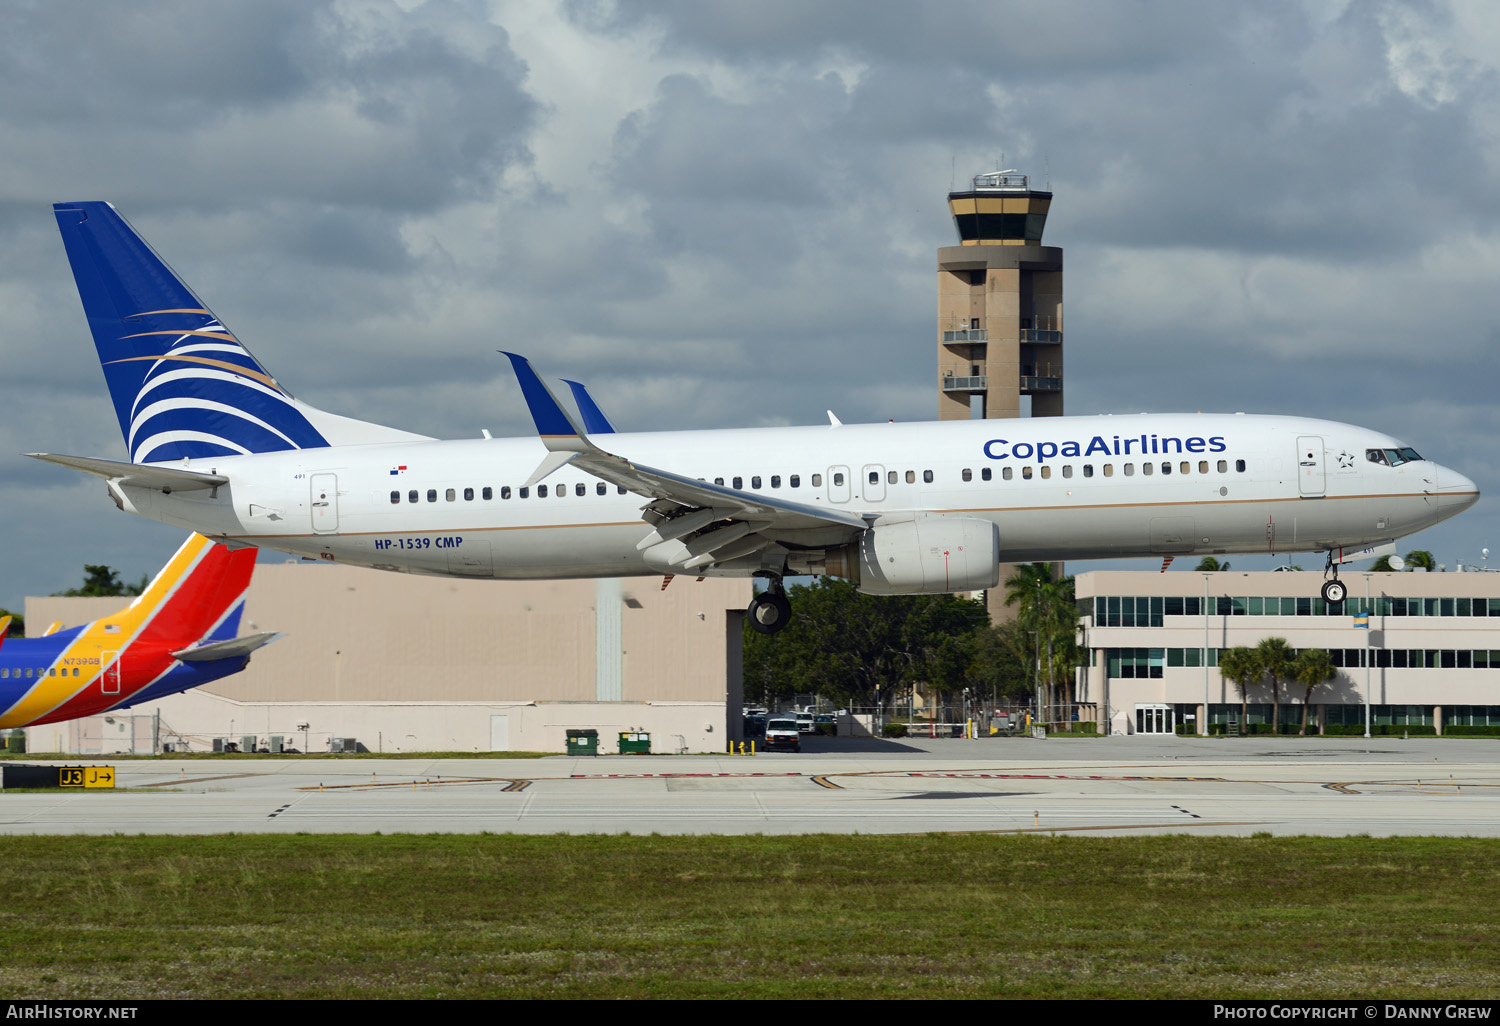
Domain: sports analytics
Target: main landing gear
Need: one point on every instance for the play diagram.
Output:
(770, 611)
(1334, 591)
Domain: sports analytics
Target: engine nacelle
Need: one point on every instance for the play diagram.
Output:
(928, 554)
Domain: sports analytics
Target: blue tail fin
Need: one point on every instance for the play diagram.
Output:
(182, 384)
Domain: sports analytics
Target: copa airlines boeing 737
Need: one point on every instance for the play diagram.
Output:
(178, 634)
(216, 444)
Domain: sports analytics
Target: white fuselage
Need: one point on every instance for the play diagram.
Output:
(1058, 488)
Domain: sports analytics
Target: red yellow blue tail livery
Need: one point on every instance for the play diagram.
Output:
(178, 634)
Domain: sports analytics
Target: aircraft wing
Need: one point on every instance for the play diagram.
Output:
(225, 649)
(703, 523)
(146, 475)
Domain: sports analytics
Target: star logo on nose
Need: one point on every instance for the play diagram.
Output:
(1346, 461)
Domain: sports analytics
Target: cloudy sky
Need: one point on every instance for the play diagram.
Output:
(726, 214)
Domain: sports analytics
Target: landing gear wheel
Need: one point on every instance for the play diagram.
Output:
(769, 612)
(1334, 592)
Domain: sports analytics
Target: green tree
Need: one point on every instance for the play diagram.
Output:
(1312, 667)
(1211, 564)
(1415, 559)
(1276, 658)
(102, 580)
(1241, 666)
(863, 649)
(1047, 607)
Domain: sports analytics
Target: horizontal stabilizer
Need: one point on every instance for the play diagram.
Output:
(225, 649)
(142, 475)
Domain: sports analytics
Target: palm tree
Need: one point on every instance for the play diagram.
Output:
(1048, 608)
(1276, 658)
(1312, 667)
(1241, 666)
(1421, 559)
(1211, 564)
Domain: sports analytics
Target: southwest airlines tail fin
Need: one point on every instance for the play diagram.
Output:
(176, 635)
(183, 385)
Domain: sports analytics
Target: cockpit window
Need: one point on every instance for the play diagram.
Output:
(1392, 457)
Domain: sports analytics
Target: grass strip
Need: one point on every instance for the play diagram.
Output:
(932, 916)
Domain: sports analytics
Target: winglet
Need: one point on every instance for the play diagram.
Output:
(593, 417)
(4, 628)
(557, 429)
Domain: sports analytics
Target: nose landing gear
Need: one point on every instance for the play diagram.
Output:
(770, 611)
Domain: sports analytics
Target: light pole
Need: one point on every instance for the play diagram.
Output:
(1203, 727)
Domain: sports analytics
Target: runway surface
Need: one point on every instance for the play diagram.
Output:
(1112, 786)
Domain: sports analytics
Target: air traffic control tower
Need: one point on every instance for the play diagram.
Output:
(999, 304)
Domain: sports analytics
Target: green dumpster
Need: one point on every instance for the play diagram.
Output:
(583, 742)
(635, 742)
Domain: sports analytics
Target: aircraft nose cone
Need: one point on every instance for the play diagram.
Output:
(1455, 491)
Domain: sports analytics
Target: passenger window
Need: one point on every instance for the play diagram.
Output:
(775, 480)
(561, 492)
(1068, 470)
(927, 477)
(1186, 468)
(432, 495)
(1166, 468)
(874, 477)
(1005, 472)
(739, 482)
(395, 498)
(1146, 469)
(451, 495)
(755, 481)
(1109, 470)
(580, 489)
(718, 480)
(504, 492)
(1026, 473)
(817, 480)
(1223, 466)
(1130, 470)
(524, 493)
(967, 475)
(838, 479)
(411, 496)
(890, 477)
(541, 491)
(620, 489)
(795, 481)
(1046, 472)
(1239, 466)
(1203, 466)
(984, 474)
(468, 495)
(1088, 470)
(911, 477)
(603, 489)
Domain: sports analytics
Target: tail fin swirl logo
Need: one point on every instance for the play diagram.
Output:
(182, 384)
